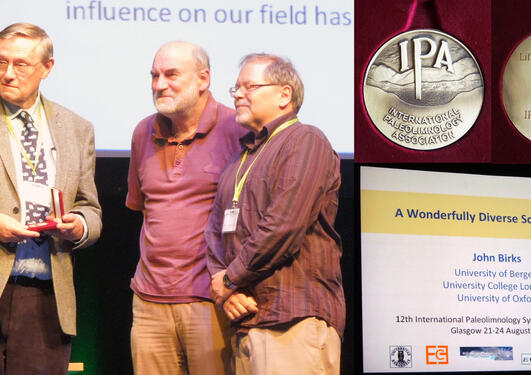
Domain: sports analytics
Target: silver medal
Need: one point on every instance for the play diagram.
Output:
(423, 89)
(516, 88)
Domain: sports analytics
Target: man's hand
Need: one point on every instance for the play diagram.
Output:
(13, 231)
(218, 291)
(239, 305)
(71, 229)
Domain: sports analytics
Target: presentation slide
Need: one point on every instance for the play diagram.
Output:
(104, 50)
(446, 271)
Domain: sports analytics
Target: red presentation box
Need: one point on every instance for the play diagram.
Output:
(58, 211)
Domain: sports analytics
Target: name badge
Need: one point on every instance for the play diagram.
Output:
(36, 193)
(230, 220)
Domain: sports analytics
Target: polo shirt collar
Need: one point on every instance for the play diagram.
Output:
(252, 141)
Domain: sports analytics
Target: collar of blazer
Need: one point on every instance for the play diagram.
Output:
(59, 138)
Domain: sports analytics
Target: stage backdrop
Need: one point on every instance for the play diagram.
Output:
(104, 50)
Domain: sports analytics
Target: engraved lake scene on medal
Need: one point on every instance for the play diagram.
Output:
(516, 88)
(423, 89)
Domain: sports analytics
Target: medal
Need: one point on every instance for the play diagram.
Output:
(516, 88)
(423, 89)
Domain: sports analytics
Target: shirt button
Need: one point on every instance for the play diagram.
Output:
(181, 147)
(16, 210)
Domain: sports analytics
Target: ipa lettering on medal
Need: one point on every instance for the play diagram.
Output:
(443, 58)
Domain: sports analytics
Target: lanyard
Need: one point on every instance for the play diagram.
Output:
(9, 125)
(238, 185)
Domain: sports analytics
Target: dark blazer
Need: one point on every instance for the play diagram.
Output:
(73, 138)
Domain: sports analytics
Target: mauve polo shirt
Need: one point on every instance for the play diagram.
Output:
(174, 184)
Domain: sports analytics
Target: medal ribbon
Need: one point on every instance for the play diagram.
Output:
(238, 185)
(422, 14)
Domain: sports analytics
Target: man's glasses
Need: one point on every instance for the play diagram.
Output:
(20, 68)
(248, 87)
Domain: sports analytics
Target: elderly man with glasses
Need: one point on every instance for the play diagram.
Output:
(42, 145)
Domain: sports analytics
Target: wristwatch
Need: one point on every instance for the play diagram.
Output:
(228, 284)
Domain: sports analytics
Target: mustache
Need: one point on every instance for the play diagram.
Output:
(158, 94)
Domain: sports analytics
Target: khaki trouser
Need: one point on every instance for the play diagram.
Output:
(179, 339)
(309, 347)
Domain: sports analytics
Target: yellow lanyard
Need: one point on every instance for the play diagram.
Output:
(238, 185)
(9, 125)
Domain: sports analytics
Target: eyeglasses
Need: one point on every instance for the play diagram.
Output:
(249, 87)
(20, 68)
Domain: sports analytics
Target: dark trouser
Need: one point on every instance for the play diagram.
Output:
(31, 340)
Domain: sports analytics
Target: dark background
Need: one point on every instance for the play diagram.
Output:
(103, 272)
